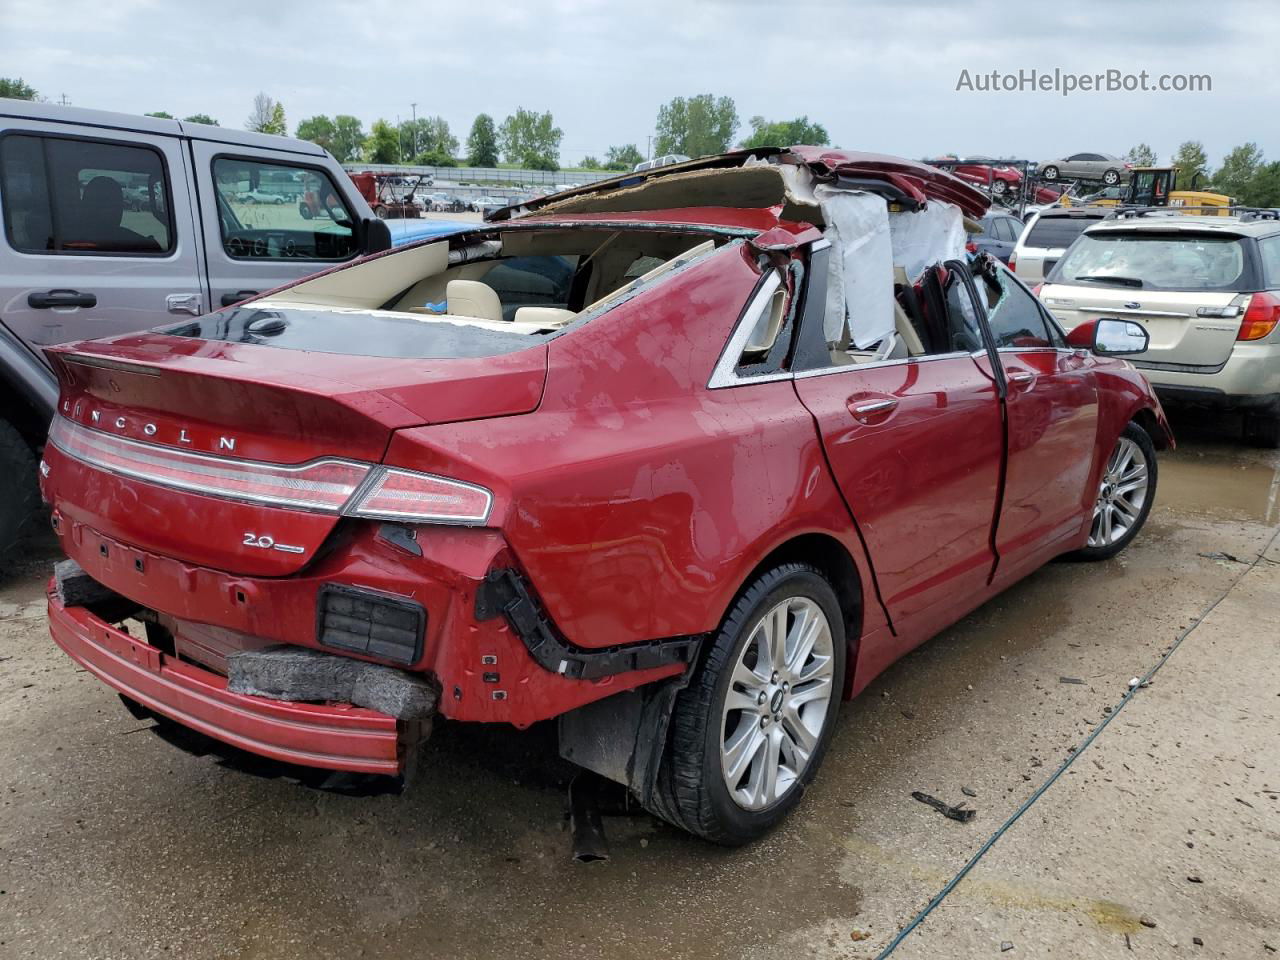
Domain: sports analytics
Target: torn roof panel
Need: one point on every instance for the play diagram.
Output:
(769, 178)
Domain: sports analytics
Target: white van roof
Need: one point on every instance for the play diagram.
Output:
(53, 113)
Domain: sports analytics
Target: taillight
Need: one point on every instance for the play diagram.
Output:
(1037, 288)
(1013, 262)
(323, 485)
(404, 495)
(1260, 318)
(345, 487)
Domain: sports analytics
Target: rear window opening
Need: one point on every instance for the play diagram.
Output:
(1157, 261)
(471, 296)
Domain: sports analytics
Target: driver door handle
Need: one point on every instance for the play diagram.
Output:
(866, 410)
(184, 303)
(229, 299)
(1021, 376)
(61, 298)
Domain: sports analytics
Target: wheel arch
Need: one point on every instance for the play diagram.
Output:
(1146, 418)
(834, 560)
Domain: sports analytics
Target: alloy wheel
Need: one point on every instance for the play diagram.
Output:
(776, 704)
(1121, 494)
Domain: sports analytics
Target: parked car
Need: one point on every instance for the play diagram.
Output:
(622, 469)
(1207, 288)
(664, 161)
(260, 196)
(1047, 235)
(1002, 180)
(1087, 166)
(118, 257)
(999, 234)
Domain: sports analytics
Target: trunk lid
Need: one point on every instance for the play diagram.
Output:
(139, 411)
(1189, 286)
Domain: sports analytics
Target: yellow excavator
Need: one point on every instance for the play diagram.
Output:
(1153, 187)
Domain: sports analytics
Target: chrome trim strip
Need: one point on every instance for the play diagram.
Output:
(725, 373)
(855, 367)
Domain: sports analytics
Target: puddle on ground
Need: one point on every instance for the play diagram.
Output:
(1223, 486)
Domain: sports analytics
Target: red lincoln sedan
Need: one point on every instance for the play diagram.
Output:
(681, 459)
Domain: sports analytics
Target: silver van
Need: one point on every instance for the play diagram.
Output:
(114, 223)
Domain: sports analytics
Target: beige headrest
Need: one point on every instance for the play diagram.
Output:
(544, 316)
(471, 298)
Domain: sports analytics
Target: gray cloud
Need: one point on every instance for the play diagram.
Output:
(880, 75)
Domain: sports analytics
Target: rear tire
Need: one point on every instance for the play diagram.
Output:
(1111, 177)
(776, 758)
(1050, 172)
(19, 495)
(1125, 495)
(1262, 430)
(305, 211)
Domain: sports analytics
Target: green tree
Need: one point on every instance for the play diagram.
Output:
(531, 140)
(1238, 170)
(348, 138)
(1264, 186)
(590, 162)
(1141, 156)
(161, 114)
(624, 157)
(785, 133)
(482, 142)
(15, 89)
(201, 118)
(432, 137)
(320, 130)
(383, 143)
(278, 124)
(1192, 164)
(696, 126)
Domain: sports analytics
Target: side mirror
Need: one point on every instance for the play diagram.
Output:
(376, 235)
(1109, 336)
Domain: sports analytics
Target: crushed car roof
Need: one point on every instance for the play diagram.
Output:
(761, 178)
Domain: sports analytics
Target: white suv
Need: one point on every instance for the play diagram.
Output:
(1045, 239)
(1208, 291)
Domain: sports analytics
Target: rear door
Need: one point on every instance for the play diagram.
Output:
(1185, 287)
(1052, 414)
(916, 445)
(99, 233)
(260, 229)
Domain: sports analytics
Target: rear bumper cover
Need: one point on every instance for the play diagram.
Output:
(1211, 398)
(329, 736)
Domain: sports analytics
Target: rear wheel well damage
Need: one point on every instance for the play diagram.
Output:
(624, 737)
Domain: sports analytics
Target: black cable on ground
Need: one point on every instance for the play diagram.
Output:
(1084, 744)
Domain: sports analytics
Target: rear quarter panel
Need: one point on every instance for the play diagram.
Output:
(636, 500)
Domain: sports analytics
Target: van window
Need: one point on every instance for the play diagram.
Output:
(73, 196)
(278, 211)
(1057, 233)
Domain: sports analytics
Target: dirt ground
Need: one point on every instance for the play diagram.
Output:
(1163, 831)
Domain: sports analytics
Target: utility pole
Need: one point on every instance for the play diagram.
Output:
(649, 149)
(414, 107)
(64, 101)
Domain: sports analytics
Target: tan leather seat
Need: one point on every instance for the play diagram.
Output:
(544, 316)
(471, 298)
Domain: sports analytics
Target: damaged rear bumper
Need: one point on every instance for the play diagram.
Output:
(329, 736)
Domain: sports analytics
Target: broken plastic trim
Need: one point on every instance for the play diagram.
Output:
(505, 593)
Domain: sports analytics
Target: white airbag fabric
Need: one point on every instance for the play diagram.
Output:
(925, 237)
(860, 285)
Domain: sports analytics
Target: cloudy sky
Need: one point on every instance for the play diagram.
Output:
(879, 75)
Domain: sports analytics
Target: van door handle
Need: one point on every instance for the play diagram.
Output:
(184, 303)
(230, 299)
(866, 410)
(61, 298)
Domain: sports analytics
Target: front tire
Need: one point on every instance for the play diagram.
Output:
(749, 732)
(1262, 430)
(1111, 178)
(1125, 495)
(999, 188)
(1050, 172)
